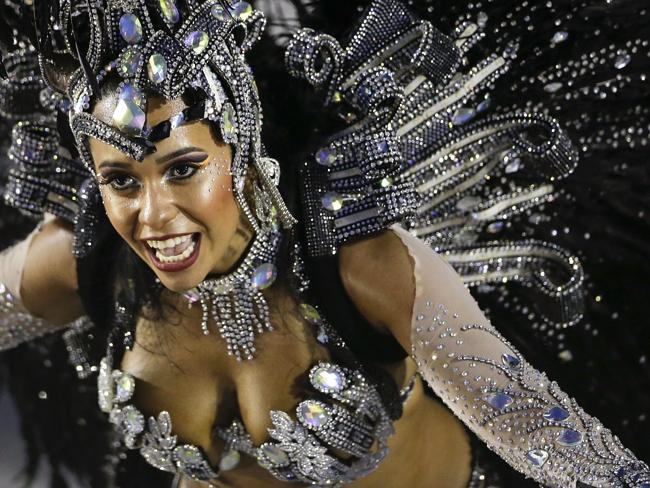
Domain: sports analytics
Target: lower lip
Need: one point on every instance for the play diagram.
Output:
(178, 265)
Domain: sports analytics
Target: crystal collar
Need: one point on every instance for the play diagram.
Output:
(235, 301)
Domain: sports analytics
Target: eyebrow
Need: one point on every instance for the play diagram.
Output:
(164, 159)
(176, 154)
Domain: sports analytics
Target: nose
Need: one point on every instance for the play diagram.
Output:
(157, 209)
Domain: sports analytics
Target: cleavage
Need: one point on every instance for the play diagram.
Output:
(277, 379)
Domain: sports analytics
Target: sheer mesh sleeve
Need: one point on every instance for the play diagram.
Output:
(17, 325)
(515, 409)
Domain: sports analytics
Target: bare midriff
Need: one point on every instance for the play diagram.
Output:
(202, 387)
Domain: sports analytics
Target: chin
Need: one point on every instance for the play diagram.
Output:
(178, 285)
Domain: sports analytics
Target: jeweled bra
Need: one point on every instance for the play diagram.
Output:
(352, 419)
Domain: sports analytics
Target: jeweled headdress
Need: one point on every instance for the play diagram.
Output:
(194, 51)
(166, 48)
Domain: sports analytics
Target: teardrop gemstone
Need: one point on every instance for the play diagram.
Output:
(463, 115)
(274, 454)
(229, 460)
(169, 11)
(552, 87)
(386, 182)
(513, 166)
(157, 68)
(508, 359)
(130, 61)
(197, 41)
(495, 228)
(326, 157)
(569, 438)
(218, 12)
(124, 388)
(132, 419)
(622, 60)
(483, 106)
(264, 276)
(313, 413)
(310, 313)
(556, 413)
(130, 28)
(228, 123)
(382, 147)
(499, 400)
(188, 455)
(559, 36)
(467, 203)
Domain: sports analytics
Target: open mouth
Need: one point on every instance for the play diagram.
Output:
(176, 253)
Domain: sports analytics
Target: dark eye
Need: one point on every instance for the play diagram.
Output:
(182, 170)
(120, 182)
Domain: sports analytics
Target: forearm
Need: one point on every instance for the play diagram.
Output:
(516, 410)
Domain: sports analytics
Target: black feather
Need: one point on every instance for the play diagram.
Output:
(3, 71)
(42, 24)
(88, 72)
(6, 37)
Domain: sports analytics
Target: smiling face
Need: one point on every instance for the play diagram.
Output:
(176, 208)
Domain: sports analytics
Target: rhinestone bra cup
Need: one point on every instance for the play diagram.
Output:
(353, 420)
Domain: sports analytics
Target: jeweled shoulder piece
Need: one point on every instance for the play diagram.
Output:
(43, 176)
(425, 148)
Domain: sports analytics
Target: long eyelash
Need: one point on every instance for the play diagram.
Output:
(103, 180)
(108, 179)
(195, 166)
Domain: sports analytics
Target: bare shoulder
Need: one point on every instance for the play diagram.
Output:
(49, 285)
(377, 274)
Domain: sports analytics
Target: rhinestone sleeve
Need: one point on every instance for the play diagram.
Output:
(515, 409)
(16, 324)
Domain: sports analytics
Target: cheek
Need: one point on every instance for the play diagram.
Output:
(213, 201)
(120, 213)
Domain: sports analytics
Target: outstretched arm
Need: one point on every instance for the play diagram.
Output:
(516, 410)
(38, 285)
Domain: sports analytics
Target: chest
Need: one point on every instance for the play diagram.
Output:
(180, 370)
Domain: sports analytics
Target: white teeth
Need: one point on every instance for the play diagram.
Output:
(174, 259)
(169, 243)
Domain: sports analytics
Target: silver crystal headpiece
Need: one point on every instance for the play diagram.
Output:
(167, 48)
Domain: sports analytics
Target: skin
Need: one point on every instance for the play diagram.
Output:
(191, 376)
(185, 187)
